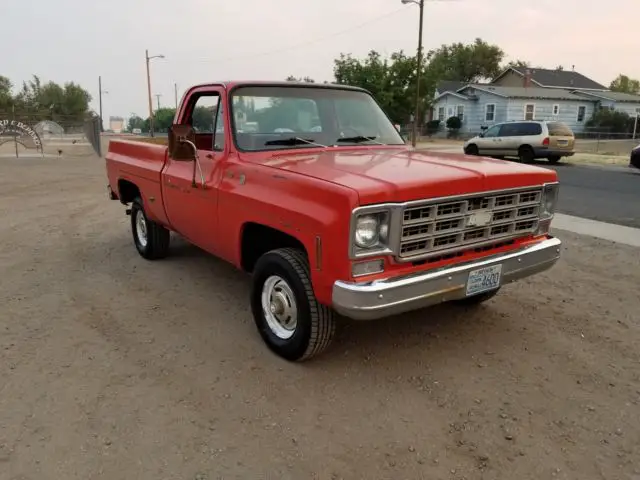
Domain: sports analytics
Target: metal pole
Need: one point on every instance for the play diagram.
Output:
(635, 126)
(416, 118)
(146, 54)
(175, 92)
(100, 97)
(15, 138)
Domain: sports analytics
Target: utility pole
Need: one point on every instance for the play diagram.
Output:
(175, 92)
(147, 60)
(100, 97)
(635, 125)
(158, 95)
(414, 140)
(146, 54)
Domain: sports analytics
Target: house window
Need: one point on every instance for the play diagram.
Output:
(441, 114)
(582, 112)
(490, 112)
(460, 112)
(556, 110)
(529, 111)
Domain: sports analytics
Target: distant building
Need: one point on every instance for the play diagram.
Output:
(116, 124)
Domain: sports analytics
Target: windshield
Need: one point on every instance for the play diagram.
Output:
(277, 117)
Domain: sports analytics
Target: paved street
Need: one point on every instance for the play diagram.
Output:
(606, 194)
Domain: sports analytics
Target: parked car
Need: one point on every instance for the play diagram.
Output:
(634, 160)
(527, 140)
(347, 219)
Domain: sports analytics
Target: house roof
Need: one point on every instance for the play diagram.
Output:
(449, 86)
(544, 77)
(537, 93)
(613, 96)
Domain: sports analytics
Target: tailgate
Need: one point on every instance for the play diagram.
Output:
(560, 136)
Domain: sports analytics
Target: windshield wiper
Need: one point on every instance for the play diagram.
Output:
(358, 139)
(293, 141)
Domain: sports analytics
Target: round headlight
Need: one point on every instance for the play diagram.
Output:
(366, 234)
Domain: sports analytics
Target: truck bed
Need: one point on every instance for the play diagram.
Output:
(140, 163)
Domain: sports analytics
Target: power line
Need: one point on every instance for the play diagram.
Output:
(299, 45)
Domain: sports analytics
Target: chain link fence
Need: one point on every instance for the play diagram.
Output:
(28, 134)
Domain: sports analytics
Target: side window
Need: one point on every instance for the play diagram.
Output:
(492, 132)
(510, 130)
(203, 120)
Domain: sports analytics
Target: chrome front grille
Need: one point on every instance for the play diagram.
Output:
(452, 225)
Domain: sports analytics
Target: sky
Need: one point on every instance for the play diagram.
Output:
(208, 40)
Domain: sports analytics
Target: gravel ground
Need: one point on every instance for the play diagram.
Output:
(114, 367)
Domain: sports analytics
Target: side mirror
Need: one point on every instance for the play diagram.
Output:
(182, 142)
(182, 147)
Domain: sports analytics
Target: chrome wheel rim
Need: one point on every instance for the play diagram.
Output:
(141, 228)
(279, 307)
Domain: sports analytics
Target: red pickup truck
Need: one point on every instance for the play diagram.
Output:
(312, 190)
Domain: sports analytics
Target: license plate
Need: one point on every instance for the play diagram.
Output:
(484, 279)
(564, 143)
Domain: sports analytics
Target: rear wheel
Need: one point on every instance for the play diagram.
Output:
(553, 159)
(150, 238)
(289, 318)
(525, 154)
(472, 150)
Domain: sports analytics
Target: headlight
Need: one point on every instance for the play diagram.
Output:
(367, 228)
(549, 200)
(371, 230)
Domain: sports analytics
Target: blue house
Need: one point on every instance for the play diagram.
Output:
(528, 94)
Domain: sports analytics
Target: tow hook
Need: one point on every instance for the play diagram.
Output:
(128, 211)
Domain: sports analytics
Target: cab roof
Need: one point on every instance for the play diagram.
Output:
(230, 84)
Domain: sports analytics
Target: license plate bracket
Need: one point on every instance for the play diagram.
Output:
(484, 280)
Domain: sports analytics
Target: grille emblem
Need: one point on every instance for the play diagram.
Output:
(479, 219)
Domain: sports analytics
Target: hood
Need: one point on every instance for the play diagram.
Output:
(403, 174)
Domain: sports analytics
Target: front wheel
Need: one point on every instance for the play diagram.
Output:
(289, 318)
(472, 150)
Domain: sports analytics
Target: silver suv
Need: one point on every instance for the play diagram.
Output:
(526, 140)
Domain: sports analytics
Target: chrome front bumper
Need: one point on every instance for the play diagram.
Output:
(382, 298)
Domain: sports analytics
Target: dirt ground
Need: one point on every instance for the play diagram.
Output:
(114, 367)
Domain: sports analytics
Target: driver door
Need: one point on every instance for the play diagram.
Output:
(192, 210)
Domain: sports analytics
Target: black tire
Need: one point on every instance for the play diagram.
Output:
(315, 326)
(157, 237)
(553, 159)
(472, 150)
(477, 299)
(525, 154)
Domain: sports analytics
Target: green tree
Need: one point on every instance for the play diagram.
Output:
(517, 64)
(291, 78)
(611, 121)
(623, 83)
(50, 100)
(466, 63)
(162, 119)
(135, 122)
(6, 97)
